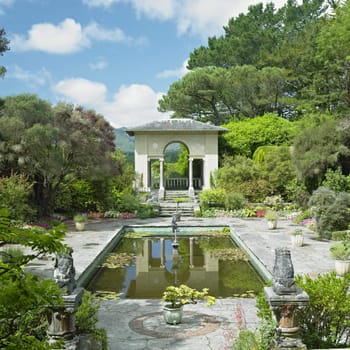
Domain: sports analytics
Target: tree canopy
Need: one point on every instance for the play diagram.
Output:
(245, 136)
(4, 46)
(287, 61)
(54, 144)
(217, 94)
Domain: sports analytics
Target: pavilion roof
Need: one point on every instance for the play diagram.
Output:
(180, 124)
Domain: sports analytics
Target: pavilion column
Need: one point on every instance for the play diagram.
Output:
(161, 179)
(162, 253)
(190, 176)
(191, 252)
(149, 175)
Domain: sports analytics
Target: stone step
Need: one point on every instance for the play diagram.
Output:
(170, 208)
(170, 213)
(171, 195)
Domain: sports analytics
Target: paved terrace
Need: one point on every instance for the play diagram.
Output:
(138, 324)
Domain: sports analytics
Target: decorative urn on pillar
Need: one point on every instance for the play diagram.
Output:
(285, 300)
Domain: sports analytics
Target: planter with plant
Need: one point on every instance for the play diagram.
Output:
(340, 252)
(260, 211)
(80, 221)
(271, 218)
(297, 237)
(176, 297)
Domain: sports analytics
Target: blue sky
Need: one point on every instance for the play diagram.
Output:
(115, 56)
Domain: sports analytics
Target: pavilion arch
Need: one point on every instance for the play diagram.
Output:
(151, 140)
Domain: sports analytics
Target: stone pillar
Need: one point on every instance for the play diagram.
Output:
(149, 175)
(62, 319)
(190, 178)
(161, 179)
(162, 253)
(285, 300)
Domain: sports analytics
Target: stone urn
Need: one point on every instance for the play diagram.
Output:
(272, 219)
(297, 238)
(297, 241)
(172, 315)
(80, 221)
(80, 226)
(342, 267)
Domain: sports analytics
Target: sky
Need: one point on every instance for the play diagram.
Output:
(117, 57)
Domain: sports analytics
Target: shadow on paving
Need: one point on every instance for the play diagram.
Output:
(139, 324)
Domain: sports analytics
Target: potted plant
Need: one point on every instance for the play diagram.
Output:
(341, 253)
(176, 297)
(80, 221)
(297, 237)
(260, 211)
(272, 218)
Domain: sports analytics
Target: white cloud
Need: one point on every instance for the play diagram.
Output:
(163, 9)
(95, 31)
(99, 64)
(5, 3)
(206, 18)
(32, 79)
(174, 73)
(97, 3)
(131, 105)
(199, 17)
(82, 91)
(66, 37)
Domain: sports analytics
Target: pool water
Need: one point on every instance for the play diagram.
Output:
(142, 267)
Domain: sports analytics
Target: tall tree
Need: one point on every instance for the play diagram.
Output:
(259, 34)
(3, 47)
(18, 114)
(79, 144)
(317, 149)
(244, 38)
(197, 95)
(219, 94)
(53, 145)
(332, 83)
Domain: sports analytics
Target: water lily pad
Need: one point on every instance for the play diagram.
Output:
(118, 260)
(232, 254)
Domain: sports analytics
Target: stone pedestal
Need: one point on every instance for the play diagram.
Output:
(286, 300)
(285, 309)
(62, 321)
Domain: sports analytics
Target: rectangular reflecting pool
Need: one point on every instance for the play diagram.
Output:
(145, 262)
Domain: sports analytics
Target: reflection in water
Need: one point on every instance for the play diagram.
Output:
(158, 265)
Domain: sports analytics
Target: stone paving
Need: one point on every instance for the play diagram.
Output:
(137, 324)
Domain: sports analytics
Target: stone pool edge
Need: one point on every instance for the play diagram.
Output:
(90, 271)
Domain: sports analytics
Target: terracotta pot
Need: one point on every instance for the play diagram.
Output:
(260, 213)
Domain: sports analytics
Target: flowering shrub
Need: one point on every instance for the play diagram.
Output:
(40, 224)
(309, 223)
(127, 215)
(275, 202)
